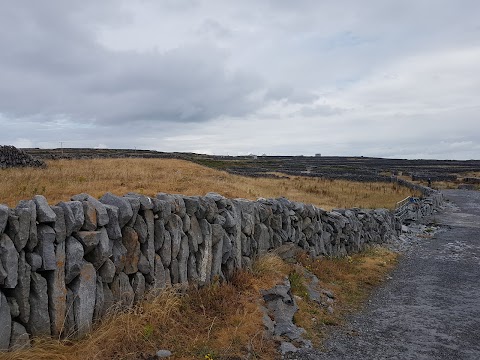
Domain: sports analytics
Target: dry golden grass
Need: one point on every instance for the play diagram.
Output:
(222, 321)
(64, 178)
(351, 279)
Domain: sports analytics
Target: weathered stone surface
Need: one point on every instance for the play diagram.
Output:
(140, 227)
(183, 260)
(99, 310)
(174, 226)
(73, 259)
(90, 217)
(19, 338)
(39, 321)
(107, 271)
(125, 212)
(22, 290)
(73, 214)
(113, 228)
(46, 247)
(204, 254)
(5, 323)
(9, 261)
(108, 300)
(166, 250)
(57, 291)
(135, 205)
(148, 247)
(186, 223)
(191, 204)
(192, 269)
(160, 281)
(217, 233)
(163, 208)
(34, 260)
(130, 241)
(138, 286)
(119, 256)
(84, 292)
(32, 208)
(143, 265)
(89, 239)
(102, 217)
(174, 273)
(101, 252)
(216, 273)
(60, 226)
(44, 213)
(122, 290)
(194, 234)
(3, 217)
(146, 203)
(3, 273)
(14, 309)
(262, 236)
(159, 234)
(69, 330)
(19, 227)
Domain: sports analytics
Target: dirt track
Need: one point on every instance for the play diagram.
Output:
(430, 308)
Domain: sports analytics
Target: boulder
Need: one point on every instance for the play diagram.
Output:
(74, 216)
(101, 216)
(84, 294)
(73, 258)
(3, 217)
(9, 261)
(19, 338)
(113, 228)
(140, 227)
(22, 290)
(34, 260)
(60, 226)
(99, 310)
(89, 239)
(107, 271)
(44, 213)
(125, 212)
(32, 209)
(174, 226)
(122, 290)
(46, 247)
(166, 250)
(131, 243)
(90, 216)
(119, 256)
(57, 291)
(135, 204)
(160, 281)
(39, 320)
(146, 203)
(19, 227)
(101, 252)
(159, 234)
(138, 286)
(5, 323)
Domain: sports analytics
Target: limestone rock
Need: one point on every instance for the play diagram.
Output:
(160, 281)
(148, 247)
(45, 247)
(122, 290)
(143, 265)
(130, 241)
(183, 260)
(107, 271)
(166, 250)
(99, 310)
(159, 234)
(140, 227)
(32, 209)
(3, 217)
(19, 227)
(73, 259)
(101, 252)
(90, 216)
(19, 338)
(44, 213)
(39, 321)
(194, 234)
(74, 216)
(101, 216)
(5, 323)
(22, 290)
(204, 254)
(113, 228)
(146, 203)
(138, 286)
(89, 239)
(34, 260)
(60, 226)
(84, 293)
(119, 256)
(174, 226)
(135, 205)
(9, 261)
(125, 212)
(57, 291)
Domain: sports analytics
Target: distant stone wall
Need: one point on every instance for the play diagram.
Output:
(63, 266)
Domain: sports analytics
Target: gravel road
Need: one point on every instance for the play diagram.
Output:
(430, 308)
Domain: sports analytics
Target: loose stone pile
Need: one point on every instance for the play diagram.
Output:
(10, 156)
(63, 266)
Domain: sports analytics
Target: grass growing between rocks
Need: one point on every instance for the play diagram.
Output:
(64, 178)
(222, 321)
(350, 280)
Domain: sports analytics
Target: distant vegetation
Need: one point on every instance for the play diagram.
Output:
(64, 178)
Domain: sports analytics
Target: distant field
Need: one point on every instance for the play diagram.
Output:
(64, 178)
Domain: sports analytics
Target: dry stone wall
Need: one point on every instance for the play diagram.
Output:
(10, 156)
(63, 266)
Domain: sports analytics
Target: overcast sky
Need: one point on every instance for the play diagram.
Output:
(374, 78)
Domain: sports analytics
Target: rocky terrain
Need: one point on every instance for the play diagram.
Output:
(10, 156)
